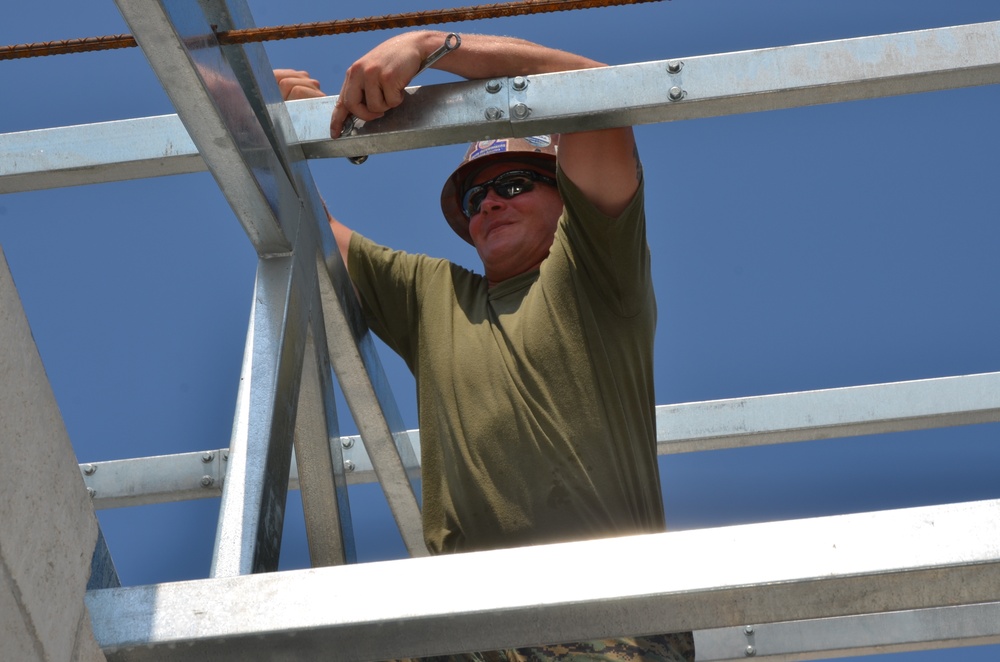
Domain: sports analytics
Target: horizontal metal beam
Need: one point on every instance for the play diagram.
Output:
(676, 89)
(94, 153)
(199, 475)
(868, 634)
(156, 479)
(681, 428)
(918, 558)
(642, 93)
(828, 414)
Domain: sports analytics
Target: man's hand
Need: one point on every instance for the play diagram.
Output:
(375, 83)
(603, 164)
(295, 84)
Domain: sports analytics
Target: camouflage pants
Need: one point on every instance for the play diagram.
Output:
(656, 648)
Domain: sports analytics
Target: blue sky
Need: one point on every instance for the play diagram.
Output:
(793, 250)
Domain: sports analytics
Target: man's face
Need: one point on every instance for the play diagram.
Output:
(513, 235)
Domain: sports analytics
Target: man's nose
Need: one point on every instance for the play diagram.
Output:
(492, 201)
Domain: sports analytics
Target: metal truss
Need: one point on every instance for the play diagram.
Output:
(806, 589)
(230, 105)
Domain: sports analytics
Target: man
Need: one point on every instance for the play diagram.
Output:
(534, 380)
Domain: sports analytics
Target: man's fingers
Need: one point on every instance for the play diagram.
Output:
(369, 90)
(341, 113)
(337, 119)
(305, 92)
(295, 84)
(374, 102)
(353, 100)
(393, 97)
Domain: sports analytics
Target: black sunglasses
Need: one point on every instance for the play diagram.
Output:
(508, 185)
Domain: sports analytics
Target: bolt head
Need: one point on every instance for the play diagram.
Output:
(520, 83)
(348, 442)
(349, 466)
(750, 651)
(675, 66)
(207, 457)
(494, 86)
(89, 469)
(675, 93)
(748, 630)
(520, 111)
(207, 481)
(493, 113)
(91, 492)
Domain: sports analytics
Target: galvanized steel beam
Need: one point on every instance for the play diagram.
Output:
(660, 91)
(319, 463)
(232, 91)
(248, 538)
(867, 634)
(218, 116)
(681, 428)
(349, 347)
(827, 414)
(918, 558)
(241, 154)
(94, 153)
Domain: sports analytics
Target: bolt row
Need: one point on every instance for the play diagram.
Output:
(208, 456)
(521, 111)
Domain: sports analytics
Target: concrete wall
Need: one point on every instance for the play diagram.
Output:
(47, 525)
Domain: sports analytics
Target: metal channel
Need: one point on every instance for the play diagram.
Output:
(681, 428)
(706, 86)
(224, 124)
(239, 81)
(828, 414)
(389, 449)
(324, 492)
(348, 345)
(675, 89)
(919, 558)
(251, 514)
(211, 103)
(869, 634)
(764, 79)
(94, 153)
(319, 463)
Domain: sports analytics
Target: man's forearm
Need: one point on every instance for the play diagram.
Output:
(486, 56)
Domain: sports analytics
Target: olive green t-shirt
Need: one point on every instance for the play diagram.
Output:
(535, 398)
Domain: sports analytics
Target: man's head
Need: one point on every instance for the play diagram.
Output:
(503, 200)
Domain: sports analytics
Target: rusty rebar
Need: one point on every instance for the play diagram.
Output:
(106, 43)
(322, 28)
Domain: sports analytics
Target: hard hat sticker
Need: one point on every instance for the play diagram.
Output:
(484, 147)
(539, 141)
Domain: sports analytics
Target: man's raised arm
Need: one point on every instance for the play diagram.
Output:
(603, 164)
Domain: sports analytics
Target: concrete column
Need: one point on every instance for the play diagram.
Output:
(47, 525)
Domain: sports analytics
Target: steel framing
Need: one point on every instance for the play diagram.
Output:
(682, 428)
(707, 85)
(729, 576)
(882, 572)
